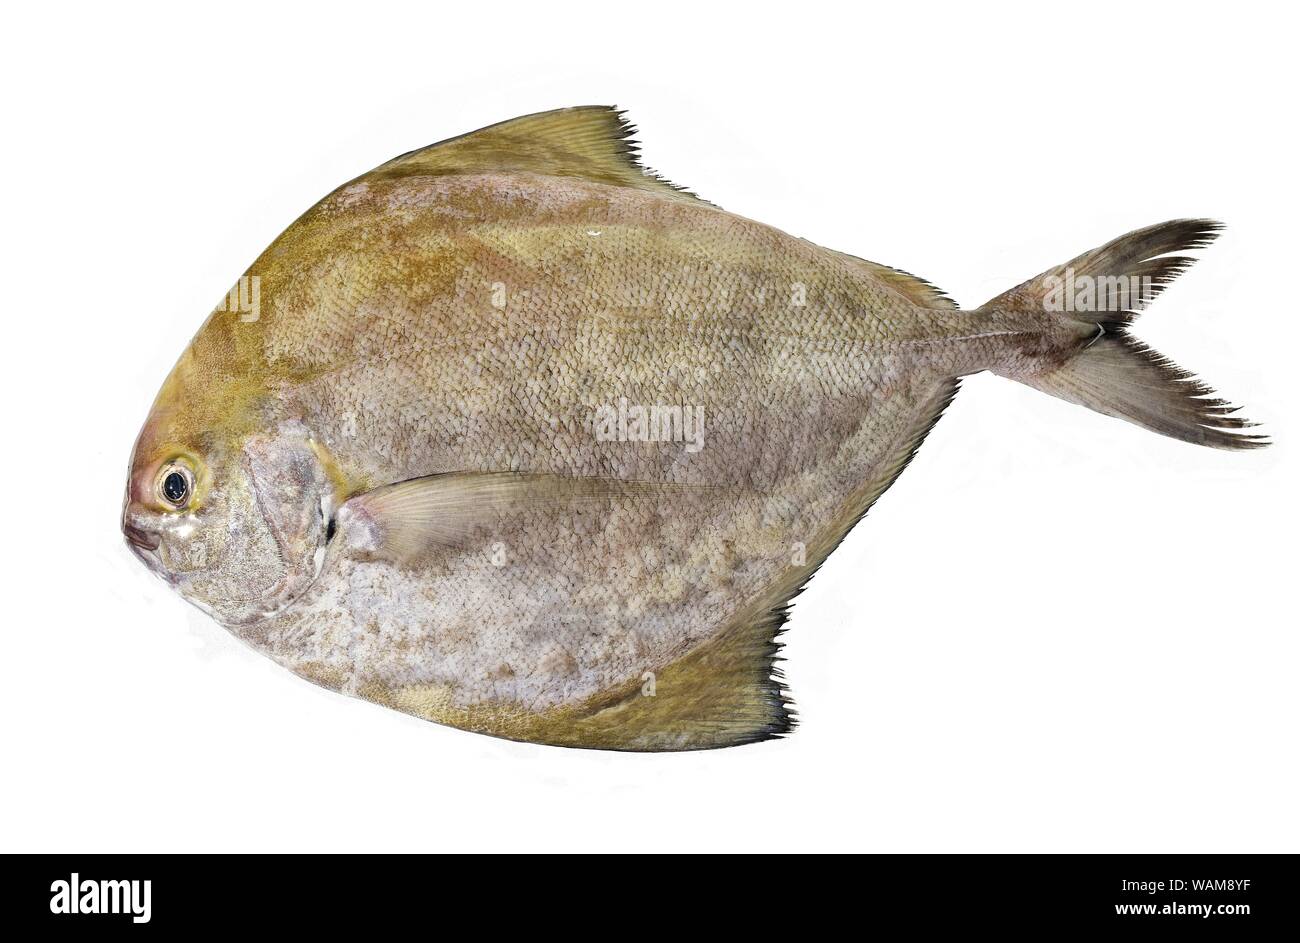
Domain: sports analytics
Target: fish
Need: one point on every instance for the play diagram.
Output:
(513, 435)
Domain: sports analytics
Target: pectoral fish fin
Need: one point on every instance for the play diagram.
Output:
(593, 142)
(729, 691)
(406, 521)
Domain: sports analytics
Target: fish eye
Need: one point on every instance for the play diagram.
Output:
(175, 484)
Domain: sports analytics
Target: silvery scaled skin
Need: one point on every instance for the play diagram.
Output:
(511, 435)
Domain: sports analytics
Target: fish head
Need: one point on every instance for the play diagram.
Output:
(236, 520)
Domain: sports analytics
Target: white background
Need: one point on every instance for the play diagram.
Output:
(1058, 632)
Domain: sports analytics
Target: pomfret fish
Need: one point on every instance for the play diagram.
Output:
(515, 436)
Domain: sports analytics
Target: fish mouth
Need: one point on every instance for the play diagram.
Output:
(140, 539)
(145, 545)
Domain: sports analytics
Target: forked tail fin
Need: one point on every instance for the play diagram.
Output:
(1111, 371)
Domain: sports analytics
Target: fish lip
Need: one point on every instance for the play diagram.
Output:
(140, 539)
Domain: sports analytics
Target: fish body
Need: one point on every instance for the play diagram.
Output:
(511, 435)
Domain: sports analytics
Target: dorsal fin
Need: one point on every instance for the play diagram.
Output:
(914, 289)
(593, 142)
